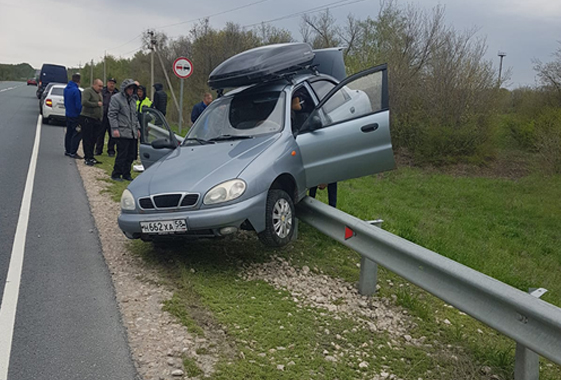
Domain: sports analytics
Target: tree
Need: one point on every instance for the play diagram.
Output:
(549, 74)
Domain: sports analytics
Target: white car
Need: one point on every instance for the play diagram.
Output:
(52, 106)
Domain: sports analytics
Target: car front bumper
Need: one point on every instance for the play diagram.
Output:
(200, 223)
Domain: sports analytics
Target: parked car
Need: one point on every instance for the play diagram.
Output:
(50, 73)
(45, 93)
(252, 154)
(32, 82)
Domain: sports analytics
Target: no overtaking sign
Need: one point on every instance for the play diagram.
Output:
(182, 67)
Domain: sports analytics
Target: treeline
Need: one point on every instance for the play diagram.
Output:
(21, 71)
(444, 95)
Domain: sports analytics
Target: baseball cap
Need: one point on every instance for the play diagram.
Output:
(112, 80)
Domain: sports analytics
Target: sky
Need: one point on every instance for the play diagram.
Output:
(74, 32)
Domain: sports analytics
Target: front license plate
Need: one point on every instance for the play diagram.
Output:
(163, 227)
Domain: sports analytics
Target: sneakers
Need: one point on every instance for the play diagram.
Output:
(128, 178)
(117, 179)
(74, 155)
(89, 162)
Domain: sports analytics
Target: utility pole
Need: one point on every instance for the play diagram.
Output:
(169, 82)
(501, 54)
(91, 73)
(152, 47)
(104, 66)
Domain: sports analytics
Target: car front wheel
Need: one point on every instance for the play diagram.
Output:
(280, 219)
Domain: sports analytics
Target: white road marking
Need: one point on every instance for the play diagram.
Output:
(11, 288)
(6, 89)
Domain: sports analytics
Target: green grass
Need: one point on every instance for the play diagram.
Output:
(507, 229)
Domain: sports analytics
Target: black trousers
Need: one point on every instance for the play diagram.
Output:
(90, 129)
(331, 193)
(72, 137)
(126, 154)
(100, 139)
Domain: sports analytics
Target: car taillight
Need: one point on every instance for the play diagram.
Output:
(49, 103)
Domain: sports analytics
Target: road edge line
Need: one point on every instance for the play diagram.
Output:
(9, 304)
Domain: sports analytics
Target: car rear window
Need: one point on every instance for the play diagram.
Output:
(57, 91)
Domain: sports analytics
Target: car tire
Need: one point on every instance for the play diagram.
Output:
(280, 219)
(46, 120)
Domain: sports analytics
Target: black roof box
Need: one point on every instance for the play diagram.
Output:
(260, 64)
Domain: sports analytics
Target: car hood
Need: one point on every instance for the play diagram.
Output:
(197, 168)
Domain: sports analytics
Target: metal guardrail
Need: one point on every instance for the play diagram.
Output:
(531, 322)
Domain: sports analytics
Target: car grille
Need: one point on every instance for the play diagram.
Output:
(146, 203)
(166, 201)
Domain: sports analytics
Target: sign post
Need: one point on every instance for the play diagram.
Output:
(182, 68)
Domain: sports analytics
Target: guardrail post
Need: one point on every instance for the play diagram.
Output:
(368, 270)
(526, 361)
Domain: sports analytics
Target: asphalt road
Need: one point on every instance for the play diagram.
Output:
(67, 324)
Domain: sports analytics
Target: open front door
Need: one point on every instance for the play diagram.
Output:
(153, 126)
(348, 133)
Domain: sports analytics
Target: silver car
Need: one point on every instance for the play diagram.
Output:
(254, 152)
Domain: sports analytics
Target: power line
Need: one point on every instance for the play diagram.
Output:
(132, 51)
(311, 10)
(214, 14)
(126, 43)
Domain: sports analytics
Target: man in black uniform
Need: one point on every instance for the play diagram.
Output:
(160, 101)
(106, 93)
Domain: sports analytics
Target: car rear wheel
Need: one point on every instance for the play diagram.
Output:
(280, 219)
(46, 120)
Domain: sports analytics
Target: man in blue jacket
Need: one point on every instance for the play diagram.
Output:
(200, 107)
(73, 107)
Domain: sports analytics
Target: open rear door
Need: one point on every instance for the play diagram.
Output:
(348, 133)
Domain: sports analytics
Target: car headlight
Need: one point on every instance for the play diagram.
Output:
(127, 201)
(225, 192)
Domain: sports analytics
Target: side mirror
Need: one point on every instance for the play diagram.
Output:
(315, 123)
(163, 144)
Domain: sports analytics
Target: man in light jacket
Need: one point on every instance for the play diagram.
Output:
(125, 129)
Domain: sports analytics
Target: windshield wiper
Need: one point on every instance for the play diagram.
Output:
(200, 141)
(230, 137)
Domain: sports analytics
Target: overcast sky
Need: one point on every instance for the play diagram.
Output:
(73, 32)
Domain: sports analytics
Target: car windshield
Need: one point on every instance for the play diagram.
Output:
(244, 115)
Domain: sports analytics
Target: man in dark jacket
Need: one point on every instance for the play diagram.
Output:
(73, 107)
(160, 101)
(106, 93)
(200, 107)
(90, 119)
(125, 129)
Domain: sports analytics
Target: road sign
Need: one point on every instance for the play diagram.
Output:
(182, 67)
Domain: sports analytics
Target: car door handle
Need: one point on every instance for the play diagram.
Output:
(369, 128)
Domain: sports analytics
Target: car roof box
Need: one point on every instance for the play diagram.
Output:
(260, 64)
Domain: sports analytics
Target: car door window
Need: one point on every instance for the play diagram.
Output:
(322, 88)
(153, 126)
(356, 98)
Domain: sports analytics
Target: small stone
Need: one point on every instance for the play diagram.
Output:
(384, 374)
(447, 322)
(242, 355)
(192, 270)
(330, 358)
(177, 373)
(305, 269)
(407, 338)
(485, 370)
(290, 363)
(280, 367)
(363, 365)
(171, 362)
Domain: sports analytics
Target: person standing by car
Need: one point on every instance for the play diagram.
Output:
(200, 107)
(73, 107)
(143, 100)
(107, 92)
(124, 129)
(90, 119)
(160, 98)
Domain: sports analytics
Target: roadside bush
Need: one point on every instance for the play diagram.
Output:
(548, 139)
(522, 130)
